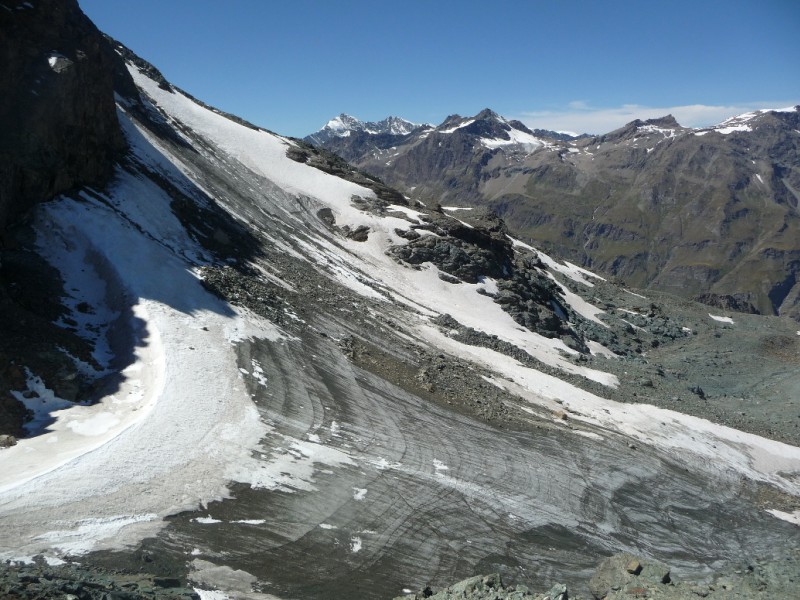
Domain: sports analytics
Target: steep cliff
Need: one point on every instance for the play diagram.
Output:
(57, 115)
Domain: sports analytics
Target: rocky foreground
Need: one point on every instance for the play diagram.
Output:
(624, 576)
(618, 577)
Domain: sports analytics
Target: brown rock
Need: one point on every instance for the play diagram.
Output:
(634, 567)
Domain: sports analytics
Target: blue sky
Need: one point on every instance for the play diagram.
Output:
(291, 65)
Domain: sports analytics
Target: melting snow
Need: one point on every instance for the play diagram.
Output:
(413, 214)
(517, 138)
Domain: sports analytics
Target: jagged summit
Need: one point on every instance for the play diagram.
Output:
(346, 125)
(490, 130)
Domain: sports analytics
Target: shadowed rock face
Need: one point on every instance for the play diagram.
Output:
(58, 130)
(57, 110)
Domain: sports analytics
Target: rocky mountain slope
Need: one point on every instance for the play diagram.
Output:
(270, 375)
(709, 213)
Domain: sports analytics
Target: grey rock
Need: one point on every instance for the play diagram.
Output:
(557, 592)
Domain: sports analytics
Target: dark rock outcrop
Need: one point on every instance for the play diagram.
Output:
(57, 111)
(59, 131)
(727, 302)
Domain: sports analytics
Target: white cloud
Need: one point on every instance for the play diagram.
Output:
(578, 116)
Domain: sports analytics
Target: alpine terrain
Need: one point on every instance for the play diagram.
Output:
(709, 214)
(235, 366)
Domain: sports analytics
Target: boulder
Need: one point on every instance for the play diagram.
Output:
(626, 572)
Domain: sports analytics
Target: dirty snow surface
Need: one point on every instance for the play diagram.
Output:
(279, 438)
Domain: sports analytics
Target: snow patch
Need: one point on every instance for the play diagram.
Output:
(721, 319)
(80, 539)
(452, 129)
(516, 138)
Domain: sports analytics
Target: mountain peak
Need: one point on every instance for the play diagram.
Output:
(343, 122)
(668, 121)
(488, 114)
(345, 125)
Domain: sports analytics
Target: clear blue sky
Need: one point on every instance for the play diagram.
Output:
(291, 65)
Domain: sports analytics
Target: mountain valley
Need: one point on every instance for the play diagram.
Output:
(237, 366)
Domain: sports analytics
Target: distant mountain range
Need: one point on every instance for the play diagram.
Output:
(344, 126)
(706, 213)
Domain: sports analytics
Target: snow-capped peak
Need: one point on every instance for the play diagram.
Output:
(343, 122)
(493, 130)
(344, 125)
(743, 122)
